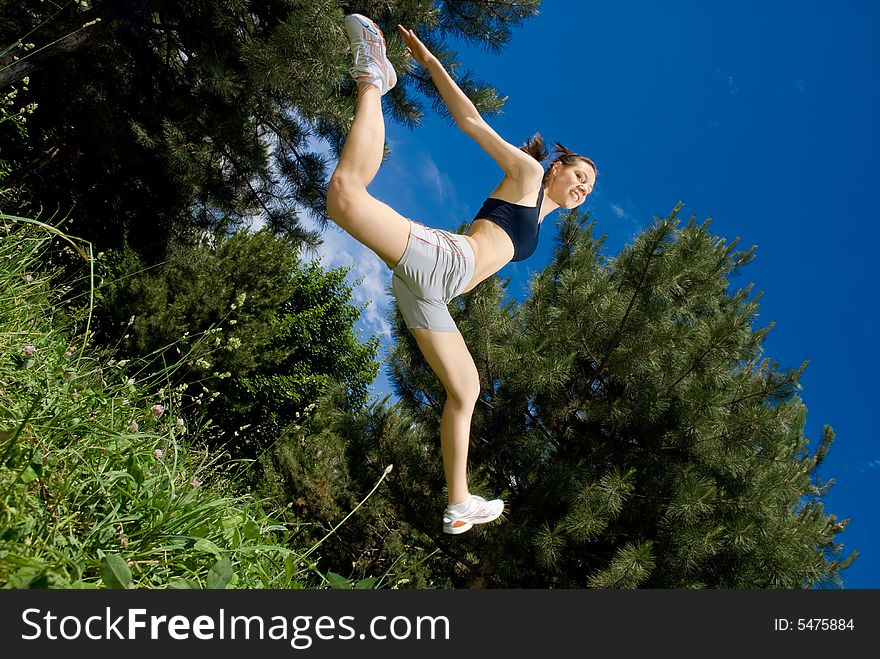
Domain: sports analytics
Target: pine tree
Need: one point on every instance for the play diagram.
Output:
(633, 425)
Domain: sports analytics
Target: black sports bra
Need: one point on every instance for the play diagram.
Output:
(518, 221)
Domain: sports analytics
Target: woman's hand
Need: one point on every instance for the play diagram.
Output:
(417, 49)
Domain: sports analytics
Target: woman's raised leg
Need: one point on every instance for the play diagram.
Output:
(365, 218)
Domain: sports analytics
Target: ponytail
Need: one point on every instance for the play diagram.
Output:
(562, 151)
(535, 147)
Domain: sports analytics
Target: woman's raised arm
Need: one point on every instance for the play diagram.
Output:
(516, 163)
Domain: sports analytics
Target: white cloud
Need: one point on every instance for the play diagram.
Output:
(873, 465)
(731, 86)
(432, 176)
(441, 186)
(411, 182)
(729, 81)
(624, 226)
(338, 249)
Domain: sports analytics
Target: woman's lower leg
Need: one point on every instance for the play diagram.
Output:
(455, 430)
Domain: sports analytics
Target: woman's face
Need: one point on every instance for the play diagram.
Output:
(570, 184)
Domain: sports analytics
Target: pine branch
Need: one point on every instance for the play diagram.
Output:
(540, 424)
(697, 362)
(764, 391)
(431, 402)
(638, 289)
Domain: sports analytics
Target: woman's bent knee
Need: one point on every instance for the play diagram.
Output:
(464, 395)
(341, 192)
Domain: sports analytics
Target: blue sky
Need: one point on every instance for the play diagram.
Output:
(760, 115)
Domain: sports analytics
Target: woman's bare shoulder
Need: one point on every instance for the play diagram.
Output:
(520, 190)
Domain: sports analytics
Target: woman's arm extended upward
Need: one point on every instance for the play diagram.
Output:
(517, 164)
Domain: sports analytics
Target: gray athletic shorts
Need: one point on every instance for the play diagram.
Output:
(435, 268)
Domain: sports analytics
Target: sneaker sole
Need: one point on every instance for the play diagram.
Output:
(455, 530)
(467, 526)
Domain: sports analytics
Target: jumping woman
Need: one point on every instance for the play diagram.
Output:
(431, 267)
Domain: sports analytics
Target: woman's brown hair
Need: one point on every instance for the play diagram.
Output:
(536, 149)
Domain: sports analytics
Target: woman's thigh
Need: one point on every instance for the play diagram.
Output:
(371, 222)
(449, 358)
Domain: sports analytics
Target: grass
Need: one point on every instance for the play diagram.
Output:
(102, 485)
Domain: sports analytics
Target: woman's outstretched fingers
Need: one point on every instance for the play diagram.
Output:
(417, 49)
(405, 36)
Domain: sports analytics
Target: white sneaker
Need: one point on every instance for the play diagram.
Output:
(478, 511)
(368, 50)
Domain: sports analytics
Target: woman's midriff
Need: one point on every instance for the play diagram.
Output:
(492, 247)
